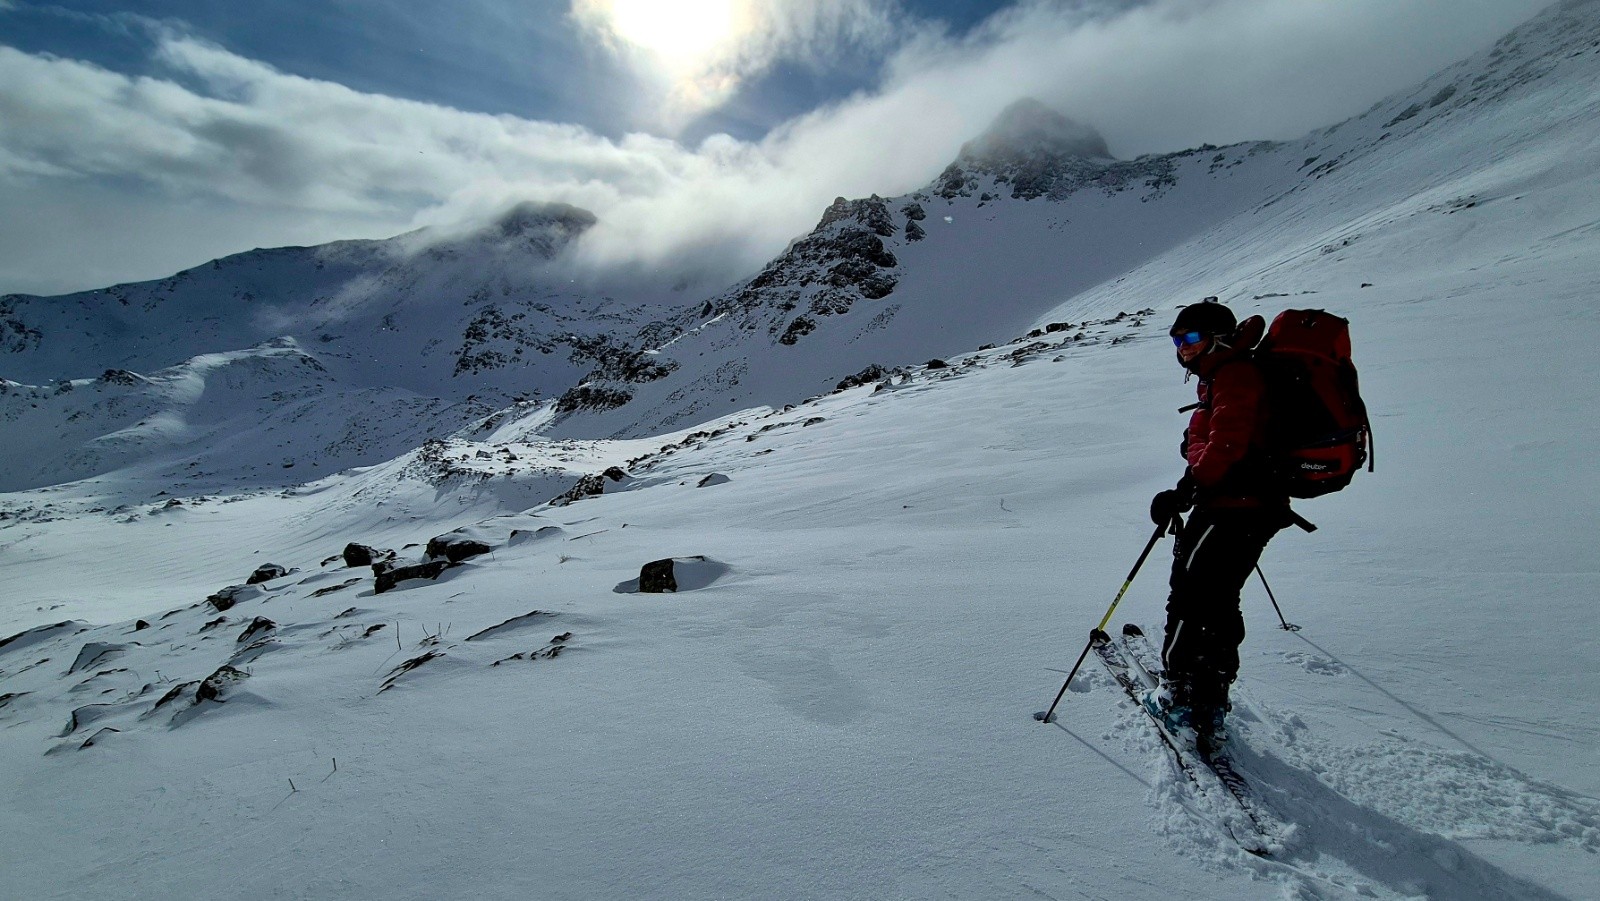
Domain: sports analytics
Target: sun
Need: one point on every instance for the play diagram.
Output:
(685, 36)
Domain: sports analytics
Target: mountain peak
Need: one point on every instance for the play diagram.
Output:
(1029, 129)
(545, 228)
(529, 218)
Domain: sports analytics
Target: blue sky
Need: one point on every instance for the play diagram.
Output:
(529, 59)
(140, 138)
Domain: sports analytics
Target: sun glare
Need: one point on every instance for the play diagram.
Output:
(684, 34)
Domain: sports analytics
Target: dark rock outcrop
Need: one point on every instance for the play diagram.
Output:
(456, 547)
(392, 572)
(266, 572)
(122, 377)
(259, 626)
(232, 595)
(799, 328)
(656, 577)
(675, 574)
(217, 685)
(592, 397)
(873, 373)
(870, 212)
(363, 555)
(588, 486)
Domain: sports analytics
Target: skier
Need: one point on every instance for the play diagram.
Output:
(1237, 510)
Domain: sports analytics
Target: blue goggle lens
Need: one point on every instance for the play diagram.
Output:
(1187, 338)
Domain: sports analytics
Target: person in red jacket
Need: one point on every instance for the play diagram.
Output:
(1236, 508)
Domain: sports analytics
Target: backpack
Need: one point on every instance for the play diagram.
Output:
(1318, 433)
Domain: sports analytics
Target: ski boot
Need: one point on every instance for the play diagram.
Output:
(1178, 719)
(1211, 729)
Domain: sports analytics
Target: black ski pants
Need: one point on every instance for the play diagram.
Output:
(1213, 556)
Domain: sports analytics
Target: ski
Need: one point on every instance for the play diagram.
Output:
(1248, 830)
(1144, 656)
(1147, 662)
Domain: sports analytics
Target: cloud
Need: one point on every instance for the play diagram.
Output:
(1171, 74)
(694, 55)
(226, 138)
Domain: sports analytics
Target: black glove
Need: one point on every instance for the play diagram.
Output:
(1167, 505)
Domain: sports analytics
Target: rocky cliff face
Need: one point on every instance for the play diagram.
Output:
(843, 261)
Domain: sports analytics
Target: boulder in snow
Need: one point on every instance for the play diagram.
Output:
(656, 577)
(362, 555)
(459, 545)
(392, 572)
(674, 574)
(217, 685)
(266, 572)
(233, 594)
(259, 626)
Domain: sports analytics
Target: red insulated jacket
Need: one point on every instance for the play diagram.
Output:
(1226, 439)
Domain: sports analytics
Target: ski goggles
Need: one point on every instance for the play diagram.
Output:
(1184, 339)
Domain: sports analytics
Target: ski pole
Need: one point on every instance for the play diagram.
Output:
(1287, 626)
(1044, 716)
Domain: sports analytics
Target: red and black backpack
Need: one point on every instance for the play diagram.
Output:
(1318, 433)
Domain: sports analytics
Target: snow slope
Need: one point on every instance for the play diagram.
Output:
(1033, 225)
(836, 703)
(410, 338)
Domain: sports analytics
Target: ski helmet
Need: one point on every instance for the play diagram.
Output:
(1206, 317)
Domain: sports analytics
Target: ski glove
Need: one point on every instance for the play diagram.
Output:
(1167, 505)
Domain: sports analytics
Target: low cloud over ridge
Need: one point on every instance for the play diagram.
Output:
(223, 148)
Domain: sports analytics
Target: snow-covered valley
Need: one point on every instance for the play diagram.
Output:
(877, 585)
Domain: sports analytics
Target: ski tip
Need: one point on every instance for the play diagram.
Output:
(1131, 629)
(1248, 845)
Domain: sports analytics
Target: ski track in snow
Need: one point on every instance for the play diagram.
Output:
(1383, 820)
(835, 702)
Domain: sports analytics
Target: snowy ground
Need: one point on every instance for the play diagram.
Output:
(844, 712)
(837, 703)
